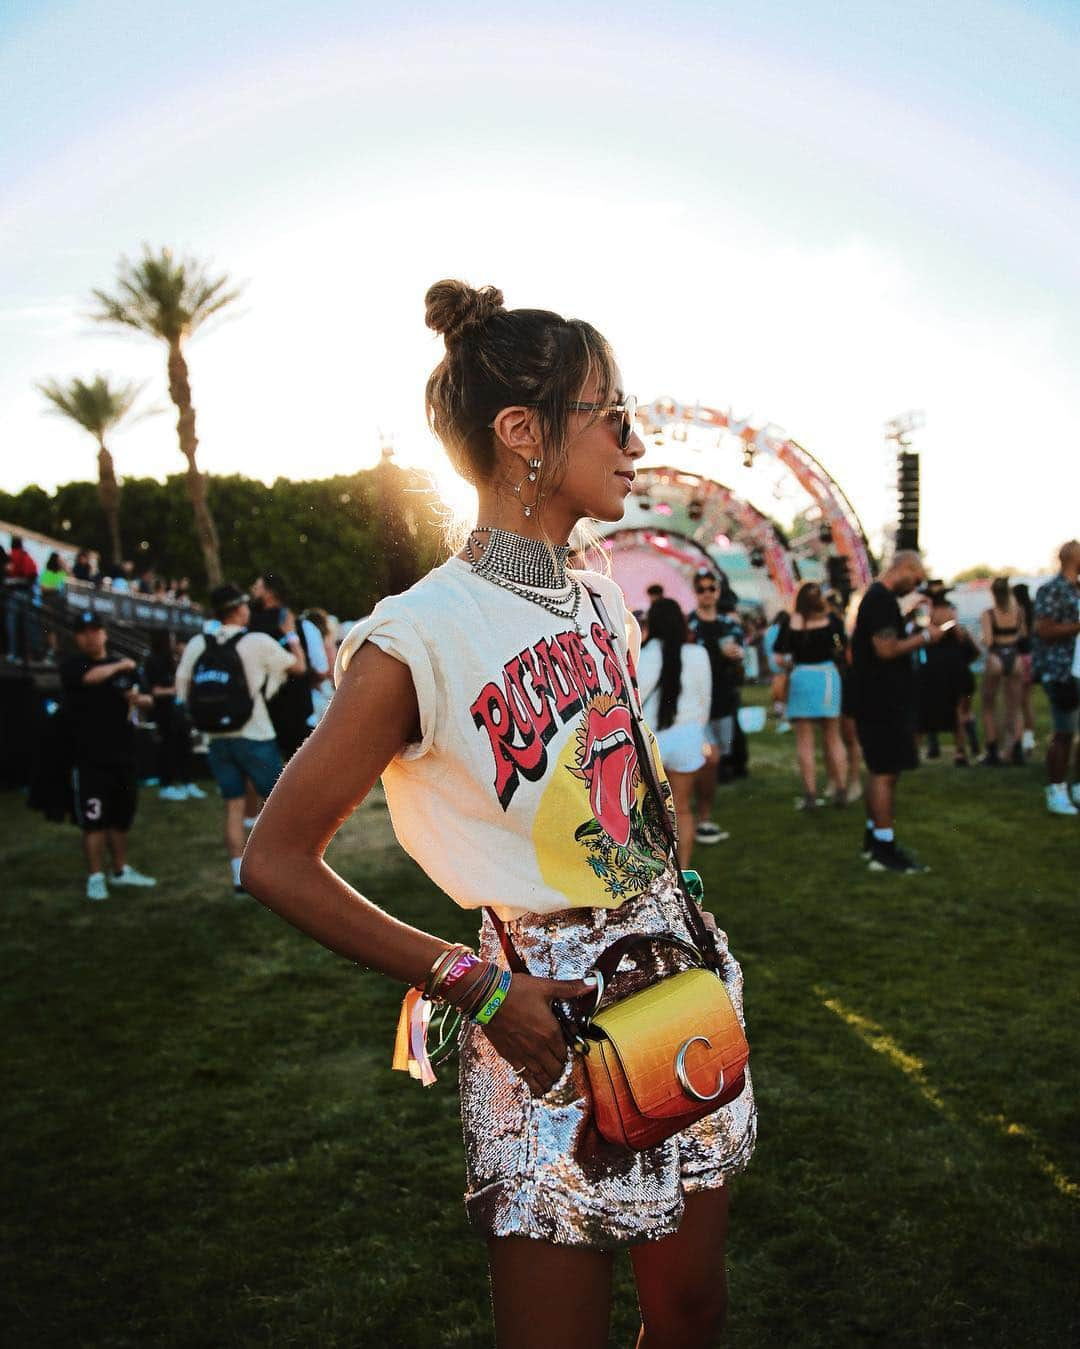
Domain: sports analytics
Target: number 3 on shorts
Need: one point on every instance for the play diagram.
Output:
(92, 809)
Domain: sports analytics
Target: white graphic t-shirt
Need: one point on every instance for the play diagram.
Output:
(524, 791)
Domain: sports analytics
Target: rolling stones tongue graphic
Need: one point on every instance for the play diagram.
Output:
(607, 761)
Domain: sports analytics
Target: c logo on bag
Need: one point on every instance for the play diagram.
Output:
(684, 1079)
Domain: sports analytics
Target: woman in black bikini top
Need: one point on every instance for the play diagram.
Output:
(1003, 629)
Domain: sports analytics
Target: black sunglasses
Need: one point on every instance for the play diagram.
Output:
(627, 410)
(702, 587)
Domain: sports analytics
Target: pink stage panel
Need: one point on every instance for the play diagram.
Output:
(636, 569)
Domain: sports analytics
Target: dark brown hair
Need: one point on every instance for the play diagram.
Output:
(809, 600)
(999, 588)
(667, 625)
(496, 358)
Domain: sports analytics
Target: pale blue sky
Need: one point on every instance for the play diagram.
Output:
(819, 214)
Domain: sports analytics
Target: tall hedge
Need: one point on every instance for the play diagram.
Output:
(341, 542)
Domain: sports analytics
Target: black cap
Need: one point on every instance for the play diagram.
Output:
(87, 620)
(226, 597)
(936, 590)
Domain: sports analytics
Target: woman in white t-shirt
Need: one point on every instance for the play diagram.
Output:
(494, 699)
(675, 683)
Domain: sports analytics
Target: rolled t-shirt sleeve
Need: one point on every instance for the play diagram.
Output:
(398, 637)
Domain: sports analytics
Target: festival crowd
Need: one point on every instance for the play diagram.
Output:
(255, 683)
(878, 688)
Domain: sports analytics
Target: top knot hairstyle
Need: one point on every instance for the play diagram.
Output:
(497, 358)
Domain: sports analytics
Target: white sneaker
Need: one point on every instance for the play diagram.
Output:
(172, 794)
(1057, 800)
(129, 876)
(249, 821)
(1074, 792)
(783, 728)
(96, 887)
(194, 793)
(1027, 741)
(707, 833)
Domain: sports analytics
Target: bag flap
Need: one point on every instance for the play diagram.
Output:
(648, 1029)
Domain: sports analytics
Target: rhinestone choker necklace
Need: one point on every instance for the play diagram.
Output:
(526, 568)
(527, 562)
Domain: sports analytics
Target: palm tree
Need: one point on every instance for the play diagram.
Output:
(98, 407)
(170, 298)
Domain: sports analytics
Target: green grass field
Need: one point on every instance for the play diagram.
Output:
(204, 1145)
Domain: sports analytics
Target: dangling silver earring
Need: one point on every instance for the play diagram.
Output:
(534, 465)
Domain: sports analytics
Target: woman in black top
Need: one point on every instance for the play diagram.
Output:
(813, 645)
(945, 678)
(1003, 629)
(1027, 607)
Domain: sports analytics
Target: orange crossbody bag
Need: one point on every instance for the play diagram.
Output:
(666, 1056)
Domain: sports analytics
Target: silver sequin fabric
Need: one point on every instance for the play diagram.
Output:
(537, 1167)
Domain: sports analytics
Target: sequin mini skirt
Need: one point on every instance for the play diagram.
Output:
(537, 1166)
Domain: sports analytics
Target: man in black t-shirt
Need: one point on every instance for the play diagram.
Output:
(720, 634)
(101, 694)
(883, 696)
(291, 707)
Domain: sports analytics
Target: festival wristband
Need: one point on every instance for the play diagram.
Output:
(442, 963)
(440, 986)
(495, 1001)
(480, 990)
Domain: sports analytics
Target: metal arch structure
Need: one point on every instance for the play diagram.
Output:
(674, 503)
(665, 416)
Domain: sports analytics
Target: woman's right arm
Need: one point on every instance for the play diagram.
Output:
(372, 715)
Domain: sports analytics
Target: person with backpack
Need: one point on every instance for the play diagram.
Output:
(225, 679)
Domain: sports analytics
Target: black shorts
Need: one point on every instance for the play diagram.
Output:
(888, 746)
(105, 796)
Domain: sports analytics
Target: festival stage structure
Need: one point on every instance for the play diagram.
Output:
(684, 511)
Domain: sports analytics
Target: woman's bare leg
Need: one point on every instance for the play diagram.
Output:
(545, 1295)
(835, 757)
(1025, 698)
(805, 753)
(991, 681)
(682, 794)
(854, 757)
(1014, 715)
(681, 1280)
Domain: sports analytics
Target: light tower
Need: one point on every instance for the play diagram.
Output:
(899, 430)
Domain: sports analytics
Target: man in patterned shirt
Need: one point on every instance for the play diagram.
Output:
(1057, 610)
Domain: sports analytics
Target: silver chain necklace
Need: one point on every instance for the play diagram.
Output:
(525, 567)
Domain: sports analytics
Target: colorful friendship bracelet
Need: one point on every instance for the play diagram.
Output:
(494, 1001)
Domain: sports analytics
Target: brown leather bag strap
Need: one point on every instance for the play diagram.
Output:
(703, 938)
(509, 949)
